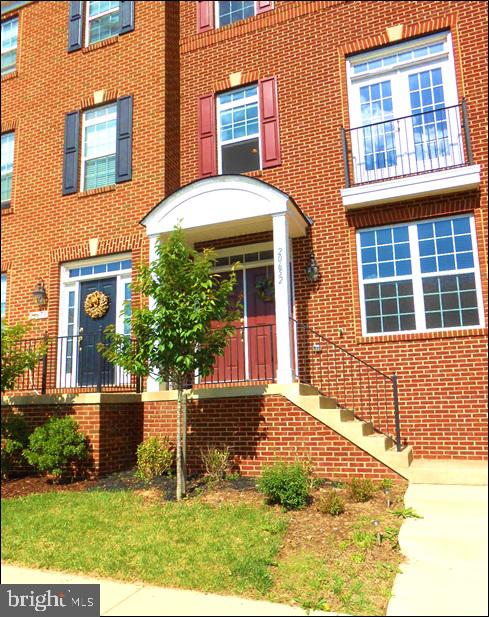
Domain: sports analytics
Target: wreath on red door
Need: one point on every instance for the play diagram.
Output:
(96, 304)
(265, 289)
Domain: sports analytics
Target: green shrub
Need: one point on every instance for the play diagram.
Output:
(288, 484)
(362, 489)
(386, 484)
(154, 458)
(217, 463)
(57, 448)
(15, 435)
(331, 503)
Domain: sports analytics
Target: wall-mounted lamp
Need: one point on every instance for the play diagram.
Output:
(312, 270)
(40, 295)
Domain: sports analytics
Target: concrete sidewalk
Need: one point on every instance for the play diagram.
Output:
(446, 568)
(129, 599)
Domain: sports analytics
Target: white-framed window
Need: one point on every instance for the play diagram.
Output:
(238, 130)
(10, 31)
(229, 12)
(420, 276)
(403, 106)
(103, 21)
(8, 141)
(99, 139)
(3, 294)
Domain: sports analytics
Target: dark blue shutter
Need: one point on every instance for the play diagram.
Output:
(123, 166)
(70, 159)
(126, 17)
(75, 26)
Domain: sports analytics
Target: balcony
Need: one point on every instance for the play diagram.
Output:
(428, 153)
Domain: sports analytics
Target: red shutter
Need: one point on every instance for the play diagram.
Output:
(205, 16)
(269, 126)
(207, 136)
(263, 7)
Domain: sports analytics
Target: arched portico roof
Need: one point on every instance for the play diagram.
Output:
(227, 205)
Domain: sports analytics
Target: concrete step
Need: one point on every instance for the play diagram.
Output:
(449, 472)
(343, 422)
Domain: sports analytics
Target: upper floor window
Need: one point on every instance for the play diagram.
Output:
(404, 109)
(229, 12)
(103, 21)
(8, 140)
(420, 276)
(212, 15)
(238, 130)
(10, 29)
(4, 295)
(106, 146)
(91, 22)
(99, 147)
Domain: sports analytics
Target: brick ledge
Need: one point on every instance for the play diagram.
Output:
(422, 336)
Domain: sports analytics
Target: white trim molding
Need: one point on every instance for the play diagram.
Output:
(432, 183)
(224, 206)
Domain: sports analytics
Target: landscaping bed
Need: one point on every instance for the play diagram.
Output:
(223, 538)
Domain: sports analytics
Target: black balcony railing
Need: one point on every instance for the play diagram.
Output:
(73, 363)
(428, 141)
(353, 383)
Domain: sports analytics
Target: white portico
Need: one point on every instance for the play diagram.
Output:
(228, 206)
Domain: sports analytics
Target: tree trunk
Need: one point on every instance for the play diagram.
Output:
(179, 445)
(184, 442)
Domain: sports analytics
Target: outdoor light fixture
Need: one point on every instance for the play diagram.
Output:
(387, 494)
(40, 294)
(376, 524)
(312, 270)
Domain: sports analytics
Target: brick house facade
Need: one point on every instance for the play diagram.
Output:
(277, 132)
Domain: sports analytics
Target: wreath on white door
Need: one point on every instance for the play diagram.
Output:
(96, 304)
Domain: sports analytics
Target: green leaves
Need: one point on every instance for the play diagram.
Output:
(17, 356)
(190, 319)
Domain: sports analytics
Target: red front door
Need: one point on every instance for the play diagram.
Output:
(260, 310)
(231, 365)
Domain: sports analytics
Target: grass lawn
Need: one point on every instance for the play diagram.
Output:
(222, 540)
(120, 535)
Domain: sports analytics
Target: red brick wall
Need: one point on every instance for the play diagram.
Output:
(443, 376)
(114, 431)
(259, 430)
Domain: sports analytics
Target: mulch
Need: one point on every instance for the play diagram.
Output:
(21, 487)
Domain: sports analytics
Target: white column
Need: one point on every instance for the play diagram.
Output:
(151, 384)
(283, 298)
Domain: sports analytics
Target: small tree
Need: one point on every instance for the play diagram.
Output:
(177, 336)
(16, 356)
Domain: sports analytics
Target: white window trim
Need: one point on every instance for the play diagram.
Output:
(13, 161)
(88, 19)
(400, 94)
(86, 124)
(9, 49)
(217, 17)
(68, 284)
(416, 278)
(3, 298)
(231, 105)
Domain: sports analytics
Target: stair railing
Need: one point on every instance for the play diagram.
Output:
(353, 383)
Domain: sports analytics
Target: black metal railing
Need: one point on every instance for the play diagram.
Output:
(249, 356)
(423, 142)
(353, 383)
(73, 363)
